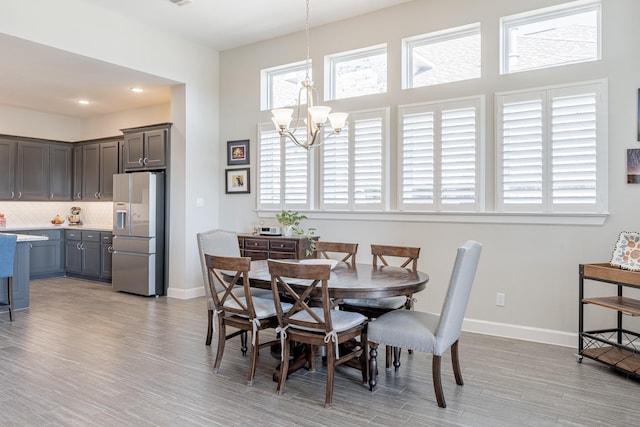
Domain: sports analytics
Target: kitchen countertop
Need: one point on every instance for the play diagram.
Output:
(29, 237)
(57, 227)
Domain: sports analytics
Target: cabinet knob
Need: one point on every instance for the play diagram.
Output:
(96, 195)
(110, 249)
(78, 195)
(51, 196)
(140, 161)
(78, 246)
(12, 195)
(255, 244)
(145, 161)
(19, 194)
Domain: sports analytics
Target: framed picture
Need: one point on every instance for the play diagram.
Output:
(638, 114)
(633, 166)
(237, 181)
(238, 152)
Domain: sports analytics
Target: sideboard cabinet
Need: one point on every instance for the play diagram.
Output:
(274, 247)
(615, 345)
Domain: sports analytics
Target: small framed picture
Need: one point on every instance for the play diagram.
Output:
(238, 152)
(237, 181)
(633, 166)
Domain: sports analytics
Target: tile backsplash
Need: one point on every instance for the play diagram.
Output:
(36, 214)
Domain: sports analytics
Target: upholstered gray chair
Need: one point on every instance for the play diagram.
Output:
(427, 332)
(219, 243)
(7, 256)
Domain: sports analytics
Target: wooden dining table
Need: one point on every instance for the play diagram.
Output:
(349, 280)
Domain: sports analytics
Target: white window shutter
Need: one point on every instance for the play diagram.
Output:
(269, 185)
(368, 161)
(418, 134)
(459, 140)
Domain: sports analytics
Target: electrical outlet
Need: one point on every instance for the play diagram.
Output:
(199, 202)
(500, 299)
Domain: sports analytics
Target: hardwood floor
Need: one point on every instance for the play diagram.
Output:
(83, 355)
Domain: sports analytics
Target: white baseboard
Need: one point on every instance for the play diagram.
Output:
(526, 333)
(185, 293)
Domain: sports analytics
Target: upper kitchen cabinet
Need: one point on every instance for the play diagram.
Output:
(35, 170)
(7, 168)
(32, 171)
(60, 168)
(146, 148)
(94, 167)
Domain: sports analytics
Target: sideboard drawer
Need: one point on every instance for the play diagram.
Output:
(282, 245)
(256, 244)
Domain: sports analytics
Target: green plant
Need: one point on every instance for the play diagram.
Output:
(293, 219)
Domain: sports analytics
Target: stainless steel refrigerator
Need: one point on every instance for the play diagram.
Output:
(138, 233)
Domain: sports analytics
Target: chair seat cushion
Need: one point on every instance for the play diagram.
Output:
(408, 329)
(263, 307)
(340, 320)
(391, 303)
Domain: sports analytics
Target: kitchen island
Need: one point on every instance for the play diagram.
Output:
(20, 272)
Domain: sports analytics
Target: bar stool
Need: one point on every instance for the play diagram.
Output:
(7, 256)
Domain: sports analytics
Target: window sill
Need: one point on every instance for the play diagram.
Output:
(595, 219)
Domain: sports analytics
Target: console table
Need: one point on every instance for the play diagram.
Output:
(274, 247)
(617, 346)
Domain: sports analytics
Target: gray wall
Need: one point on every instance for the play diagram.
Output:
(535, 265)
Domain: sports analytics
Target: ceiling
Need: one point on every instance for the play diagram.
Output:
(50, 80)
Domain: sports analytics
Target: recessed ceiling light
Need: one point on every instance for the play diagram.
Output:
(84, 101)
(180, 2)
(137, 89)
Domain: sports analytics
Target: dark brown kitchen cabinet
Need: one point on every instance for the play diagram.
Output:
(146, 148)
(274, 247)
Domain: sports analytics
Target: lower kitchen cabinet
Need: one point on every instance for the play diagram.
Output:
(106, 251)
(47, 256)
(20, 278)
(83, 255)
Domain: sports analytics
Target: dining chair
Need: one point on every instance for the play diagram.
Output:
(315, 325)
(236, 307)
(375, 307)
(427, 332)
(7, 257)
(220, 243)
(349, 250)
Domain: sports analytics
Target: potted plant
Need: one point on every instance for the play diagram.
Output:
(291, 221)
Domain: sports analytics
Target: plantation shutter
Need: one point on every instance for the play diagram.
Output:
(458, 156)
(335, 170)
(418, 134)
(269, 184)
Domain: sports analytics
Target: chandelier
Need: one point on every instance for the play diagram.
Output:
(316, 115)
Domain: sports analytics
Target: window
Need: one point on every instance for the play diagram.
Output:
(356, 73)
(552, 149)
(283, 178)
(354, 164)
(280, 86)
(550, 37)
(440, 156)
(442, 57)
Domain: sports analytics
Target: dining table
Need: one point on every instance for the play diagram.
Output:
(348, 280)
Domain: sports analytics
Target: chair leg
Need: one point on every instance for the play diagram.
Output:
(437, 382)
(222, 338)
(396, 357)
(209, 327)
(373, 366)
(388, 357)
(284, 366)
(331, 370)
(243, 343)
(456, 364)
(10, 297)
(364, 363)
(253, 359)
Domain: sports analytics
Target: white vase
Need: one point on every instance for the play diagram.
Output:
(288, 231)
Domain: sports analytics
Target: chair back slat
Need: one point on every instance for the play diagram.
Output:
(348, 249)
(237, 289)
(7, 254)
(455, 303)
(410, 255)
(300, 284)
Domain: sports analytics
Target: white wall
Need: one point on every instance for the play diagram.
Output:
(85, 29)
(536, 266)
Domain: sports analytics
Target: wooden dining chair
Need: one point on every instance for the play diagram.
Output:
(220, 243)
(375, 307)
(315, 325)
(235, 306)
(428, 332)
(7, 257)
(348, 251)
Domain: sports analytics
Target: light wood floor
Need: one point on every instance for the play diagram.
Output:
(83, 355)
